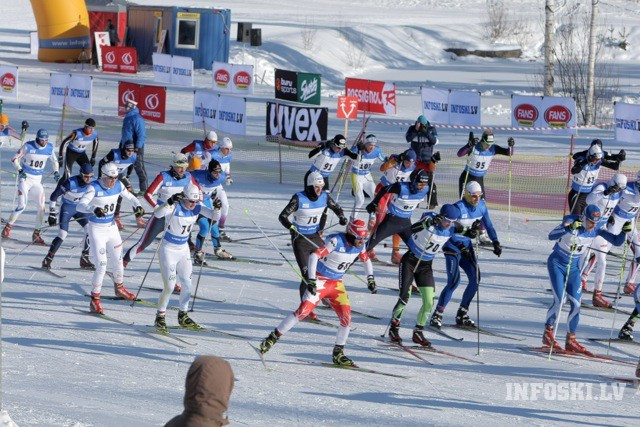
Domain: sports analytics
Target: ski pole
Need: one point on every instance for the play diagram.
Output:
(509, 221)
(478, 290)
(204, 244)
(127, 238)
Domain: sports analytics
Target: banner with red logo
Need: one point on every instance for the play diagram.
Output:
(119, 59)
(8, 82)
(232, 78)
(347, 107)
(554, 114)
(151, 100)
(373, 96)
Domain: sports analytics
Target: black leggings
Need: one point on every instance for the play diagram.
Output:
(389, 226)
(302, 249)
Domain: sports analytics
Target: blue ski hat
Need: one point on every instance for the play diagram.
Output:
(449, 212)
(410, 155)
(592, 213)
(86, 169)
(42, 134)
(422, 119)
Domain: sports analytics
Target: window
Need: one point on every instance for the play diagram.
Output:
(188, 33)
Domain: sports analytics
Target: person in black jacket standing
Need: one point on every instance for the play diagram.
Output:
(423, 137)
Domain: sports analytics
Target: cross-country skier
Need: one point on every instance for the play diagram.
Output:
(76, 148)
(182, 210)
(202, 149)
(30, 161)
(423, 136)
(327, 155)
(627, 209)
(307, 207)
(608, 157)
(104, 237)
(166, 184)
(210, 182)
(71, 191)
(326, 267)
(7, 131)
(573, 238)
(606, 197)
(361, 180)
(407, 196)
(428, 237)
(224, 156)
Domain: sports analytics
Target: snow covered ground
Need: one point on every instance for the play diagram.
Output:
(63, 367)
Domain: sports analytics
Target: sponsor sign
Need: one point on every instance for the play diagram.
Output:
(464, 108)
(347, 107)
(286, 85)
(71, 90)
(161, 67)
(173, 69)
(221, 112)
(435, 105)
(8, 82)
(558, 114)
(119, 59)
(232, 78)
(151, 100)
(297, 123)
(298, 87)
(102, 39)
(127, 92)
(373, 96)
(627, 122)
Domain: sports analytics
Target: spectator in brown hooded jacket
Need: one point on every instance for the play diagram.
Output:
(207, 391)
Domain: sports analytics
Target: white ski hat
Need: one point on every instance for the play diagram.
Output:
(180, 160)
(110, 169)
(473, 187)
(192, 192)
(315, 178)
(212, 136)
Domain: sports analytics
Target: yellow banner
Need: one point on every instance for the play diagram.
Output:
(188, 15)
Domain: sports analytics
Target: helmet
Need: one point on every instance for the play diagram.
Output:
(371, 139)
(214, 166)
(42, 134)
(226, 143)
(410, 155)
(86, 169)
(192, 192)
(195, 163)
(4, 119)
(339, 141)
(487, 136)
(592, 213)
(90, 122)
(357, 228)
(473, 187)
(180, 160)
(110, 169)
(422, 120)
(212, 136)
(618, 180)
(449, 212)
(315, 178)
(595, 152)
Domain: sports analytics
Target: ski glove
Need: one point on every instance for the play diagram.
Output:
(627, 227)
(138, 211)
(497, 249)
(92, 162)
(622, 155)
(60, 160)
(610, 190)
(99, 212)
(371, 284)
(176, 198)
(511, 142)
(56, 176)
(311, 286)
(472, 141)
(371, 208)
(217, 204)
(22, 174)
(575, 225)
(436, 157)
(343, 220)
(229, 181)
(53, 219)
(465, 252)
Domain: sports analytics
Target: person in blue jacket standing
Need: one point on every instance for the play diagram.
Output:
(133, 129)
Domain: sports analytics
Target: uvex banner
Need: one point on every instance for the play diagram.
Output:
(553, 112)
(172, 69)
(297, 123)
(627, 122)
(8, 82)
(221, 112)
(72, 90)
(373, 96)
(151, 100)
(298, 87)
(232, 78)
(451, 107)
(119, 59)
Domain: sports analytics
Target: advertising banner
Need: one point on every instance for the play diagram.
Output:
(464, 108)
(373, 96)
(627, 122)
(232, 78)
(347, 107)
(286, 85)
(221, 112)
(102, 39)
(127, 91)
(298, 87)
(161, 67)
(151, 100)
(552, 113)
(435, 105)
(297, 123)
(119, 59)
(8, 82)
(182, 70)
(72, 90)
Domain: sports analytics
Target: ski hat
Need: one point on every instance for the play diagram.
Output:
(131, 104)
(42, 134)
(180, 160)
(449, 212)
(410, 155)
(422, 119)
(86, 169)
(4, 119)
(129, 144)
(618, 180)
(418, 176)
(371, 139)
(592, 213)
(357, 228)
(90, 122)
(214, 166)
(473, 187)
(192, 192)
(212, 136)
(195, 163)
(595, 152)
(110, 170)
(596, 141)
(487, 136)
(315, 178)
(339, 141)
(226, 143)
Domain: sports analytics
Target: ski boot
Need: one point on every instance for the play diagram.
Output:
(395, 257)
(372, 255)
(394, 331)
(339, 357)
(160, 324)
(121, 292)
(46, 262)
(141, 222)
(626, 332)
(198, 258)
(629, 288)
(85, 262)
(35, 238)
(223, 236)
(584, 284)
(222, 254)
(571, 344)
(599, 301)
(436, 319)
(177, 289)
(312, 316)
(418, 337)
(116, 218)
(549, 339)
(94, 305)
(192, 246)
(463, 319)
(185, 321)
(269, 341)
(6, 231)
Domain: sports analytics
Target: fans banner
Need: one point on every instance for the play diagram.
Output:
(72, 90)
(627, 122)
(172, 69)
(151, 100)
(297, 123)
(232, 78)
(373, 96)
(221, 112)
(119, 59)
(435, 105)
(556, 115)
(8, 82)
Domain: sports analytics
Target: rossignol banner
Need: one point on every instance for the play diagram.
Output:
(627, 122)
(151, 100)
(297, 123)
(72, 90)
(224, 113)
(373, 96)
(298, 87)
(173, 69)
(450, 107)
(232, 78)
(554, 114)
(8, 82)
(119, 59)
